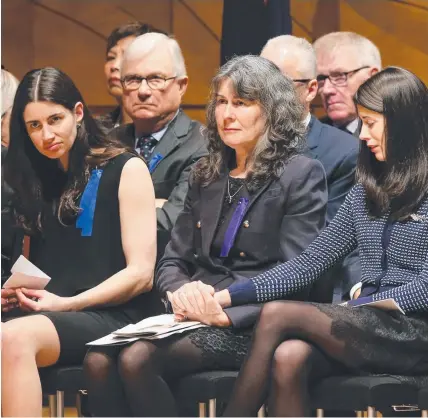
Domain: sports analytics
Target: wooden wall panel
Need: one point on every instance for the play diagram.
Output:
(71, 35)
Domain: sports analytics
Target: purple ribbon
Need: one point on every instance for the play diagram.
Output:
(233, 227)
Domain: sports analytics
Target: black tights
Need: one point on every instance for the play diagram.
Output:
(292, 347)
(135, 380)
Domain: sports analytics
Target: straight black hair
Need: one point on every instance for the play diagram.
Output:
(39, 182)
(400, 183)
(129, 29)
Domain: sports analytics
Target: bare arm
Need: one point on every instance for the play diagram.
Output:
(138, 230)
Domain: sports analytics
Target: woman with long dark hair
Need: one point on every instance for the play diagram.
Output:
(88, 207)
(386, 216)
(252, 202)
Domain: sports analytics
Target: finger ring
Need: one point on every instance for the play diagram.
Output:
(185, 318)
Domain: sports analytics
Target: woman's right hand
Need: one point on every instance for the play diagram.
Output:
(9, 300)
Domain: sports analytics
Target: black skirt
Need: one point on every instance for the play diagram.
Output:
(381, 342)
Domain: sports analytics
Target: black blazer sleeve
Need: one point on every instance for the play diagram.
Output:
(304, 182)
(176, 266)
(167, 215)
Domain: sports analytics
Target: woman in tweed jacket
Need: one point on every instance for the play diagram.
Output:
(386, 216)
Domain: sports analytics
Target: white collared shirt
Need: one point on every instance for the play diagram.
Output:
(307, 120)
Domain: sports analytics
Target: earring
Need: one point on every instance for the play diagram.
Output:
(78, 125)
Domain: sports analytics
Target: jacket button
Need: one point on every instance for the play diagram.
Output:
(242, 254)
(198, 224)
(246, 224)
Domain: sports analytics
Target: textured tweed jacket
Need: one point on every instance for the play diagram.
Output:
(394, 258)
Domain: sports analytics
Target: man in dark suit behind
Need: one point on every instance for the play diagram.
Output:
(335, 149)
(154, 81)
(345, 60)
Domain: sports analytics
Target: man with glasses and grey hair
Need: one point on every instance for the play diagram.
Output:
(345, 60)
(154, 80)
(336, 150)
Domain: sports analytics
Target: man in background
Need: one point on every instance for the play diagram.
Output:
(154, 81)
(345, 60)
(335, 149)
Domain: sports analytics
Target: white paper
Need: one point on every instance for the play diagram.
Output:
(385, 304)
(153, 328)
(112, 340)
(26, 274)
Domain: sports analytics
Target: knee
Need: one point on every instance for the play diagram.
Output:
(285, 315)
(136, 359)
(272, 317)
(97, 365)
(290, 361)
(15, 343)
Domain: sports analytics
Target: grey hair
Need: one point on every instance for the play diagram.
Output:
(146, 43)
(366, 51)
(258, 80)
(301, 49)
(9, 84)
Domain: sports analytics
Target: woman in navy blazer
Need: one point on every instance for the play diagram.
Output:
(253, 202)
(386, 216)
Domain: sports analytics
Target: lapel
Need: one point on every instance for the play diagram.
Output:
(212, 198)
(172, 138)
(312, 135)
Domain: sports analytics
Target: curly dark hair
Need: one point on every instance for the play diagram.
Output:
(38, 182)
(259, 80)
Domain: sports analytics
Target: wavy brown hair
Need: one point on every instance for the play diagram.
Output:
(258, 80)
(38, 182)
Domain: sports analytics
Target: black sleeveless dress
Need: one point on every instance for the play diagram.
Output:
(76, 263)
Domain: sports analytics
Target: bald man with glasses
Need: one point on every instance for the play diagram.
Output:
(345, 60)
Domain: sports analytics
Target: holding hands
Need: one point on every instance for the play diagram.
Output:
(195, 301)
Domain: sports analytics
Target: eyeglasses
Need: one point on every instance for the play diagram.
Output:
(155, 82)
(339, 79)
(302, 80)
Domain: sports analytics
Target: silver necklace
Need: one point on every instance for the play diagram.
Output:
(229, 196)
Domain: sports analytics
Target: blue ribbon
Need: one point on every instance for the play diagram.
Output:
(154, 161)
(232, 229)
(85, 219)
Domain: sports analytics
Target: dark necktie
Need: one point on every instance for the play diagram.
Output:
(146, 145)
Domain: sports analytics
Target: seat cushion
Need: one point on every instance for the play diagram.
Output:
(67, 379)
(201, 387)
(423, 398)
(359, 392)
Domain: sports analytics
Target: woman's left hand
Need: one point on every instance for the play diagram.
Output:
(210, 313)
(31, 300)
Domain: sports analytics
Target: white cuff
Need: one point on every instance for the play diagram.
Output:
(354, 288)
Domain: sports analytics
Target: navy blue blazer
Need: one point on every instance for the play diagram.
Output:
(282, 218)
(394, 258)
(338, 152)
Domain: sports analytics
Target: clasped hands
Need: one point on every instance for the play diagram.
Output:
(30, 300)
(196, 301)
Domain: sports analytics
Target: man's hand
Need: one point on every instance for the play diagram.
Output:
(31, 300)
(8, 300)
(195, 301)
